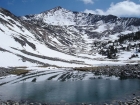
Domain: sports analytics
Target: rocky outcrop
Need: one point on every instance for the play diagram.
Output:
(124, 71)
(4, 71)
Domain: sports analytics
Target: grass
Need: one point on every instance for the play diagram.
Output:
(21, 67)
(19, 71)
(44, 66)
(89, 68)
(85, 68)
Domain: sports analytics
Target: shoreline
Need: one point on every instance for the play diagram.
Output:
(132, 101)
(123, 71)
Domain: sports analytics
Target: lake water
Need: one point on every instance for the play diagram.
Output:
(87, 91)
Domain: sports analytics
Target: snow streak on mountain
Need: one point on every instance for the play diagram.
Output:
(63, 38)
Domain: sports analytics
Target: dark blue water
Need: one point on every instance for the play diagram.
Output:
(89, 91)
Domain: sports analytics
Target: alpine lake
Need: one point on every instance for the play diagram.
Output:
(45, 89)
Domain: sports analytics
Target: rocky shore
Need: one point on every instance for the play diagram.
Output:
(126, 71)
(4, 71)
(133, 101)
(123, 71)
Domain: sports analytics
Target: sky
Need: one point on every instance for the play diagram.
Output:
(120, 8)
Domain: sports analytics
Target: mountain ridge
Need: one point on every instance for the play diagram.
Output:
(90, 19)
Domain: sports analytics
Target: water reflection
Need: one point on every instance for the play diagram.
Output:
(98, 90)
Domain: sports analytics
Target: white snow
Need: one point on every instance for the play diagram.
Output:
(11, 60)
(61, 17)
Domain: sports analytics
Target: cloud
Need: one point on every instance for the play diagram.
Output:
(88, 1)
(121, 9)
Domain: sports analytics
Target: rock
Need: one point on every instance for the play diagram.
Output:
(62, 101)
(3, 104)
(34, 80)
(16, 103)
(83, 104)
(130, 102)
(138, 100)
(134, 101)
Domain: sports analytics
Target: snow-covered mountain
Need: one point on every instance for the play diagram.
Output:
(61, 16)
(90, 24)
(59, 37)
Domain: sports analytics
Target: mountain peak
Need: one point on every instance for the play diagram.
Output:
(58, 7)
(54, 9)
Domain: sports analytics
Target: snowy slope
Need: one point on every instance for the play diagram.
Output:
(60, 37)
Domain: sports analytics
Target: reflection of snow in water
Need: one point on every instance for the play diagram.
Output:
(42, 74)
